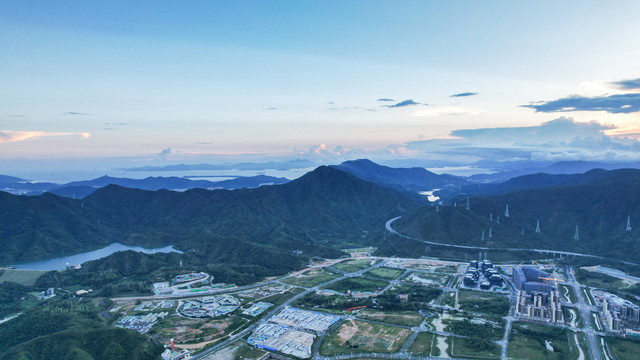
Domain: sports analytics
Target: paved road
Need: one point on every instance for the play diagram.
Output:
(276, 309)
(594, 348)
(542, 251)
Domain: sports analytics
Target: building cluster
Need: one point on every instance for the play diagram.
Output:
(141, 324)
(194, 276)
(482, 274)
(540, 306)
(190, 284)
(530, 279)
(619, 315)
(309, 320)
(49, 293)
(538, 298)
(285, 339)
(257, 308)
(175, 354)
(211, 306)
(290, 331)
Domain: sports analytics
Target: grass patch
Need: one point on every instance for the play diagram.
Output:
(385, 273)
(474, 347)
(311, 278)
(359, 336)
(481, 302)
(422, 344)
(529, 341)
(350, 266)
(623, 349)
(599, 280)
(449, 299)
(476, 328)
(22, 277)
(357, 284)
(404, 318)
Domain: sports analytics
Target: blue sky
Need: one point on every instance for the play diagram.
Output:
(118, 82)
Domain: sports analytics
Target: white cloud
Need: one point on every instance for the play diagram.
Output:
(7, 136)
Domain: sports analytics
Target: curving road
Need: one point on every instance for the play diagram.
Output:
(542, 251)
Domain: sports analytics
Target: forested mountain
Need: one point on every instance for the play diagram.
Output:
(317, 213)
(535, 181)
(597, 202)
(406, 179)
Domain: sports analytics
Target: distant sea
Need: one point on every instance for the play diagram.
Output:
(63, 177)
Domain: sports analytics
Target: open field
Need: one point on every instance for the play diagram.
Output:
(483, 302)
(23, 277)
(598, 280)
(449, 299)
(311, 278)
(353, 265)
(196, 333)
(359, 336)
(537, 342)
(624, 349)
(357, 284)
(404, 318)
(474, 348)
(422, 344)
(385, 273)
(427, 278)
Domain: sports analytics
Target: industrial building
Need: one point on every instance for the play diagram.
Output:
(540, 306)
(141, 324)
(308, 320)
(530, 279)
(211, 306)
(275, 337)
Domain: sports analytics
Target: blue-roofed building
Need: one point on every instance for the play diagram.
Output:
(528, 278)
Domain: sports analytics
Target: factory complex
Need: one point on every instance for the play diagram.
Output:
(211, 306)
(194, 283)
(141, 324)
(285, 339)
(257, 308)
(308, 320)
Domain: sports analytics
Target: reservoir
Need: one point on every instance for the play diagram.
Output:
(72, 260)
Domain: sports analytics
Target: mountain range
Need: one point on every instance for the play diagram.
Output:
(316, 214)
(595, 205)
(413, 179)
(80, 189)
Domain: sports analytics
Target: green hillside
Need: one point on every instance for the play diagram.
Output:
(599, 208)
(316, 214)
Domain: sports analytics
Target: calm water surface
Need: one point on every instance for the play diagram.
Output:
(62, 262)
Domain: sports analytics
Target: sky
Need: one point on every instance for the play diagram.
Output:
(106, 85)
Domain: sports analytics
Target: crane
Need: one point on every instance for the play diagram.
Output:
(547, 279)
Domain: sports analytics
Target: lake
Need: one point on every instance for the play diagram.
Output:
(62, 262)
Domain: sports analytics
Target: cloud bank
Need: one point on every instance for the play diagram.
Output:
(464, 94)
(615, 104)
(630, 84)
(403, 103)
(7, 136)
